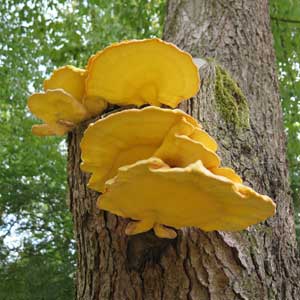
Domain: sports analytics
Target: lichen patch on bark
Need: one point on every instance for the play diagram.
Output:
(231, 101)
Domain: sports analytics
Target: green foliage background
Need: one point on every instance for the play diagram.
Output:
(36, 37)
(285, 16)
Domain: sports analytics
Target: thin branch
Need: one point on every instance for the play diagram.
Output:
(285, 20)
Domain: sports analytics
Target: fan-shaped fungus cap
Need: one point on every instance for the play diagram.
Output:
(68, 78)
(60, 110)
(43, 130)
(142, 71)
(204, 138)
(179, 150)
(72, 80)
(94, 105)
(124, 137)
(228, 173)
(153, 193)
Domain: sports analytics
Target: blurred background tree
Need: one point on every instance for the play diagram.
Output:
(285, 16)
(37, 252)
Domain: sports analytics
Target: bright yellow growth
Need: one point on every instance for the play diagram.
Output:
(58, 109)
(130, 135)
(181, 150)
(156, 166)
(42, 130)
(128, 73)
(68, 78)
(142, 72)
(204, 138)
(62, 105)
(228, 173)
(152, 193)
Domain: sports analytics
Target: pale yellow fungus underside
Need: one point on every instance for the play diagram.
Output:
(44, 130)
(58, 109)
(151, 192)
(228, 173)
(131, 135)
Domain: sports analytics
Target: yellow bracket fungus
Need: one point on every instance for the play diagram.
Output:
(153, 194)
(204, 138)
(141, 72)
(132, 72)
(180, 151)
(63, 104)
(159, 168)
(228, 173)
(125, 137)
(58, 109)
(68, 78)
(94, 105)
(42, 130)
(156, 166)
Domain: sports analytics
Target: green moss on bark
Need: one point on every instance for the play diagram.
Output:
(231, 102)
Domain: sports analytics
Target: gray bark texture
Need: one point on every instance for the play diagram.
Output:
(259, 263)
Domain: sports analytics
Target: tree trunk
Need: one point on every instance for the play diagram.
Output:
(259, 263)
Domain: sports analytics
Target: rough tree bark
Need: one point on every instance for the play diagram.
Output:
(259, 263)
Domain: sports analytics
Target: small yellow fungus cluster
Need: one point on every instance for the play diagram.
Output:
(134, 72)
(154, 165)
(62, 104)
